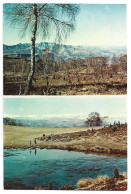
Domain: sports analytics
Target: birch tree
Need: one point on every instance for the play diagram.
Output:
(48, 20)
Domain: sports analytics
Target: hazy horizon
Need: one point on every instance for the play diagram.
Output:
(58, 121)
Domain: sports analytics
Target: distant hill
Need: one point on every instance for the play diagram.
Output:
(64, 51)
(55, 122)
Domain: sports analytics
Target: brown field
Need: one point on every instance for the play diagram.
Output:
(78, 80)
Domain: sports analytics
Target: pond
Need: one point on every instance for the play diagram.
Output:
(38, 167)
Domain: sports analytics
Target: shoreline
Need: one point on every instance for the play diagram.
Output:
(116, 153)
(102, 140)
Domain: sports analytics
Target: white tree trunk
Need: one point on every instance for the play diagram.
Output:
(33, 38)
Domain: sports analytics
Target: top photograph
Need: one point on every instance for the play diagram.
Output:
(64, 49)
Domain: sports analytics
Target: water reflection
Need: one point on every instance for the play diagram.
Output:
(35, 151)
(41, 166)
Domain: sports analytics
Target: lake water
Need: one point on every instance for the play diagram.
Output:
(41, 166)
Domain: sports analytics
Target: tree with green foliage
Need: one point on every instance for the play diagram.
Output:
(56, 20)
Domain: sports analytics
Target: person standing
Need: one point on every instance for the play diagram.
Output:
(30, 143)
(35, 141)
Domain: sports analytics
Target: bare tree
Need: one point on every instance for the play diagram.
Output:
(99, 63)
(47, 19)
(94, 119)
(119, 63)
(46, 57)
(115, 64)
(104, 61)
(22, 75)
(123, 64)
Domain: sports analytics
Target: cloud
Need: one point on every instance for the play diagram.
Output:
(48, 116)
(61, 116)
(11, 116)
(117, 116)
(18, 116)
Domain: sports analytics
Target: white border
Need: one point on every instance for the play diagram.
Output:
(69, 1)
(128, 2)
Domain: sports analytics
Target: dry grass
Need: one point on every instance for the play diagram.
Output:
(84, 183)
(125, 174)
(100, 179)
(104, 183)
(20, 136)
(90, 182)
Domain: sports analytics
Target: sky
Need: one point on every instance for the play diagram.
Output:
(96, 25)
(65, 107)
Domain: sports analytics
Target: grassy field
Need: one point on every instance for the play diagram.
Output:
(101, 140)
(20, 136)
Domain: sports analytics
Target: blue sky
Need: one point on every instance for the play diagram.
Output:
(97, 24)
(77, 106)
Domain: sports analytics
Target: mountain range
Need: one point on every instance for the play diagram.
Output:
(64, 51)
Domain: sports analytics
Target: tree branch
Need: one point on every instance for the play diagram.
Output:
(42, 7)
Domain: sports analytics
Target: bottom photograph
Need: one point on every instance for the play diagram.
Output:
(65, 143)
